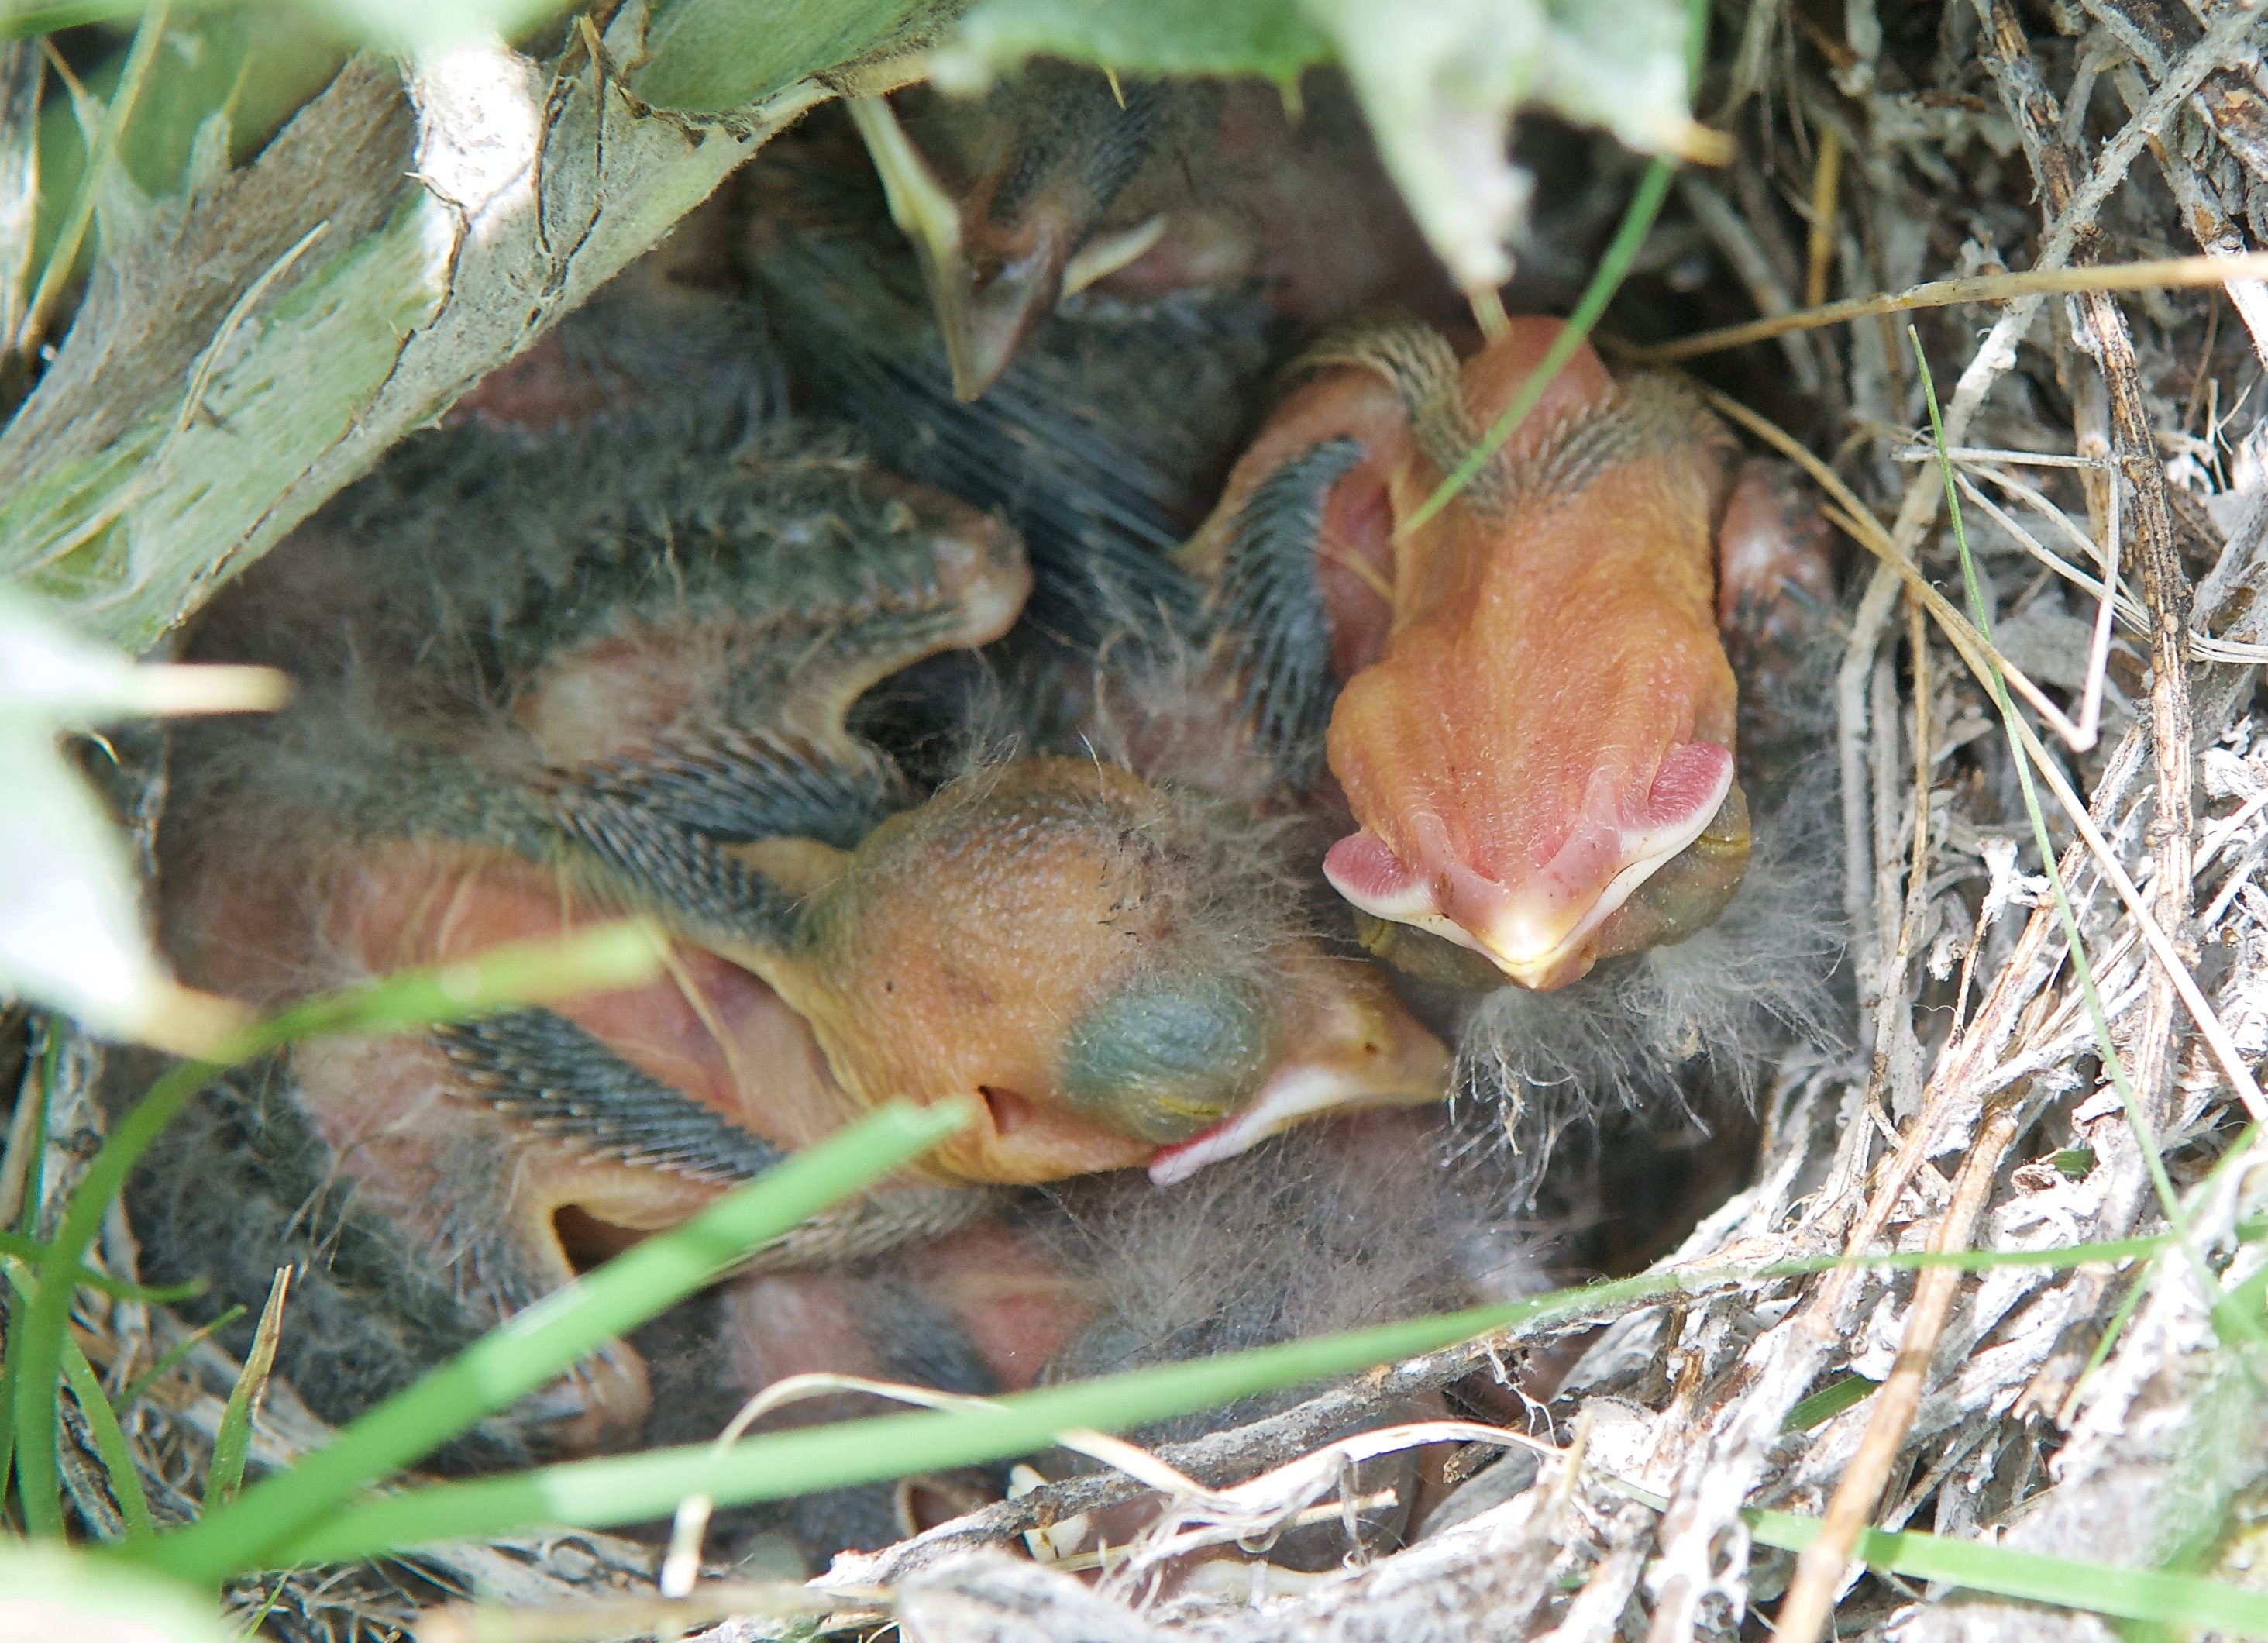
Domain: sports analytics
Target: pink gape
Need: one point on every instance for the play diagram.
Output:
(1537, 935)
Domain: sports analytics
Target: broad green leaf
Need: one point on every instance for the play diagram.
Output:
(705, 56)
(1438, 83)
(237, 73)
(1270, 38)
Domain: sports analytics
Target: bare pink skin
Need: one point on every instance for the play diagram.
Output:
(435, 1158)
(1774, 556)
(1538, 713)
(1014, 1305)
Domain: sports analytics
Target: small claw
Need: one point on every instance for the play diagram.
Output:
(982, 312)
(985, 316)
(999, 254)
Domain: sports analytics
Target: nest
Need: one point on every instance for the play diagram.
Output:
(2108, 1412)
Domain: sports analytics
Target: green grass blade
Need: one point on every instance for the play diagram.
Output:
(11, 1361)
(102, 1425)
(538, 1343)
(1828, 1401)
(1644, 205)
(109, 1443)
(2109, 1249)
(600, 959)
(63, 255)
(224, 1473)
(177, 1351)
(2003, 1571)
(35, 1143)
(777, 1465)
(33, 1253)
(610, 956)
(598, 1493)
(35, 1190)
(595, 1493)
(35, 1256)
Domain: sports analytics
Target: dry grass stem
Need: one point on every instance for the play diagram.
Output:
(2160, 274)
(1820, 1571)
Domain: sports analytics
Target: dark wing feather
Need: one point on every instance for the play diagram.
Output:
(1270, 609)
(542, 1070)
(737, 786)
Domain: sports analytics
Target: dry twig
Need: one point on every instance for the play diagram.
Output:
(1819, 1570)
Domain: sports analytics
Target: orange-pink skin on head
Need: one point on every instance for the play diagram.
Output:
(1548, 714)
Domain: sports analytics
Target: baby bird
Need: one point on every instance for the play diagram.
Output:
(1529, 705)
(1027, 171)
(1102, 440)
(1065, 180)
(1101, 1275)
(550, 677)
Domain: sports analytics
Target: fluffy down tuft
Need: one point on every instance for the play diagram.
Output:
(1684, 1025)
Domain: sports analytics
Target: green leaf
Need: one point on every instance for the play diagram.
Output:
(2125, 1594)
(136, 481)
(706, 56)
(1270, 38)
(777, 1465)
(250, 66)
(60, 258)
(1828, 1401)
